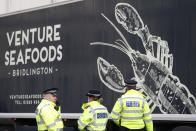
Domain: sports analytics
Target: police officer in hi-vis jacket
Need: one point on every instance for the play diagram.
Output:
(95, 115)
(48, 112)
(131, 111)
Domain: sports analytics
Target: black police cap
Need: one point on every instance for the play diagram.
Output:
(94, 93)
(130, 82)
(51, 91)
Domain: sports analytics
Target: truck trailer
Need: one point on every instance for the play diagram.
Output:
(77, 45)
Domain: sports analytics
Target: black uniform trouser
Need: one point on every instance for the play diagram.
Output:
(126, 129)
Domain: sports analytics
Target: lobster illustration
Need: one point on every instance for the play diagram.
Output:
(153, 71)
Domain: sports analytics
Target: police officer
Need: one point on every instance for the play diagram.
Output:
(48, 112)
(131, 111)
(95, 115)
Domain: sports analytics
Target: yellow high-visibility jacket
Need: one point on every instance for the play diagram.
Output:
(94, 117)
(132, 111)
(47, 117)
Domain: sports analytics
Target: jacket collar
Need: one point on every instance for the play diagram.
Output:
(49, 102)
(86, 105)
(134, 91)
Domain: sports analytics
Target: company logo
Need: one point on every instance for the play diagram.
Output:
(31, 48)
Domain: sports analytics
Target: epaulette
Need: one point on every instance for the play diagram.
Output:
(86, 107)
(142, 94)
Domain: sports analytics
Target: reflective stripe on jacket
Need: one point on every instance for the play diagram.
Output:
(94, 117)
(132, 111)
(47, 117)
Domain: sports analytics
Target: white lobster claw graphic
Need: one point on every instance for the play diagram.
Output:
(110, 75)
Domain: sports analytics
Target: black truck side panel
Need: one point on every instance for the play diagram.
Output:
(96, 44)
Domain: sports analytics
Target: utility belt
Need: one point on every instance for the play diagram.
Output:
(122, 128)
(60, 129)
(86, 129)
